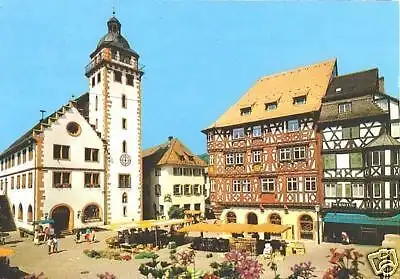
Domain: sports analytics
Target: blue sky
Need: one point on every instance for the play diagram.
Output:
(199, 56)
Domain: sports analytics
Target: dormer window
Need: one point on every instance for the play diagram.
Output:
(271, 106)
(299, 100)
(338, 90)
(344, 107)
(245, 111)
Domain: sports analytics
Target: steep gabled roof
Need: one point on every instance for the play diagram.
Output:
(383, 140)
(173, 152)
(81, 104)
(311, 81)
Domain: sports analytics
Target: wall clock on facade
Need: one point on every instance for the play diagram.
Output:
(125, 160)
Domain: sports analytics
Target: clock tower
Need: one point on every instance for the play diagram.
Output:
(115, 112)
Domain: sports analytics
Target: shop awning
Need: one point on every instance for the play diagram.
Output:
(361, 219)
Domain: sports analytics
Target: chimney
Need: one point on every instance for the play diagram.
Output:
(381, 84)
(170, 138)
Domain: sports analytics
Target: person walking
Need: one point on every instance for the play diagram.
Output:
(78, 236)
(49, 243)
(93, 235)
(55, 245)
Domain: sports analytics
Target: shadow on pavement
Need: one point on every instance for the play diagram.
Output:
(11, 272)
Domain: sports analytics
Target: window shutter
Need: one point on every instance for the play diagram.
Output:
(346, 133)
(347, 190)
(355, 132)
(339, 192)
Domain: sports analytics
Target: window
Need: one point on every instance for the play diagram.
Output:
(157, 171)
(12, 182)
(129, 80)
(246, 185)
(123, 101)
(124, 124)
(197, 172)
(91, 154)
(245, 111)
(395, 157)
(186, 206)
(284, 154)
(73, 129)
(30, 214)
(98, 77)
(96, 106)
(257, 132)
(124, 181)
(257, 156)
(292, 184)
(377, 189)
(124, 210)
(330, 190)
(204, 190)
(356, 160)
(23, 183)
(187, 171)
(351, 132)
(24, 156)
(301, 100)
(299, 152)
(93, 81)
(329, 161)
(210, 137)
(18, 181)
(268, 185)
(187, 190)
(271, 106)
(60, 152)
(117, 76)
(161, 209)
(197, 189)
(177, 171)
(344, 107)
(197, 206)
(311, 184)
(239, 158)
(293, 125)
(211, 160)
(61, 179)
(358, 190)
(30, 180)
(376, 158)
(124, 148)
(236, 186)
(91, 180)
(306, 227)
(18, 158)
(230, 159)
(212, 185)
(395, 192)
(275, 219)
(177, 190)
(157, 190)
(238, 133)
(30, 153)
(1, 185)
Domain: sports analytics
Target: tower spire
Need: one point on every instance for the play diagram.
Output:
(113, 10)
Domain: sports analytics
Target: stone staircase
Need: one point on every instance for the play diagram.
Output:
(6, 218)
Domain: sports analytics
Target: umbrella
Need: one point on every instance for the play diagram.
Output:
(6, 252)
(269, 228)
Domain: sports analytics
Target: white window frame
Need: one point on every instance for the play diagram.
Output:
(239, 158)
(180, 190)
(294, 184)
(246, 186)
(211, 160)
(310, 184)
(291, 127)
(257, 156)
(396, 193)
(301, 150)
(230, 159)
(357, 190)
(257, 131)
(236, 186)
(344, 107)
(210, 137)
(330, 190)
(268, 185)
(212, 185)
(271, 106)
(286, 152)
(380, 189)
(238, 133)
(377, 153)
(197, 189)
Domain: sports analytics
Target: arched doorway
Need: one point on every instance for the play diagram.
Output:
(61, 215)
(30, 214)
(231, 217)
(306, 227)
(13, 210)
(20, 212)
(252, 218)
(91, 213)
(275, 218)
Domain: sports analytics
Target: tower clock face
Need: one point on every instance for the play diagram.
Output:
(125, 160)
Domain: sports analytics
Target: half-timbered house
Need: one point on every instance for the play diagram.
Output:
(264, 152)
(359, 124)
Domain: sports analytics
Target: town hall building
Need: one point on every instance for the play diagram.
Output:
(81, 166)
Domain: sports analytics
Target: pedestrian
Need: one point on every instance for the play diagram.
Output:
(49, 243)
(46, 233)
(93, 235)
(55, 245)
(78, 236)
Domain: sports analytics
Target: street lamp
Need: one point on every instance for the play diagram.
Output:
(317, 210)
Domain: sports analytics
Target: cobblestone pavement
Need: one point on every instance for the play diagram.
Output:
(71, 263)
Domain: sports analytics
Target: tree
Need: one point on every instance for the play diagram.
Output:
(175, 212)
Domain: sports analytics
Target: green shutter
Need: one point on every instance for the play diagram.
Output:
(346, 133)
(356, 160)
(339, 192)
(347, 190)
(355, 132)
(329, 161)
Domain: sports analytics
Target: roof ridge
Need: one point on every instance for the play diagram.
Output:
(357, 72)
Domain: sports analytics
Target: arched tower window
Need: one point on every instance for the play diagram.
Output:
(20, 212)
(124, 198)
(124, 148)
(30, 214)
(123, 100)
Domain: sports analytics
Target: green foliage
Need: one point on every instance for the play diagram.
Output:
(175, 212)
(146, 255)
